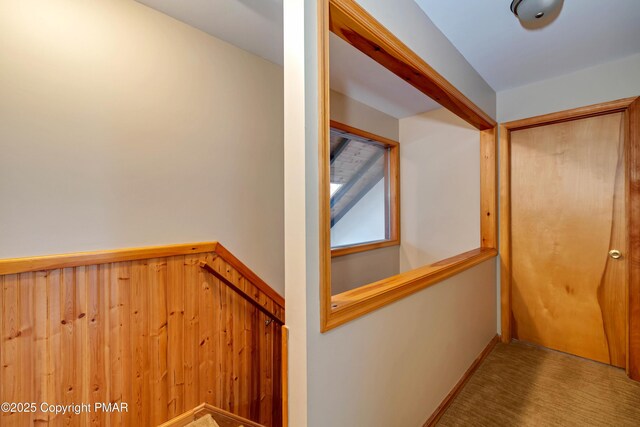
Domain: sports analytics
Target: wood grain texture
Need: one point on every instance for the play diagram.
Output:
(352, 23)
(324, 156)
(160, 334)
(633, 117)
(51, 262)
(567, 293)
(353, 249)
(505, 235)
(489, 188)
(619, 105)
(245, 271)
(631, 109)
(240, 288)
(450, 397)
(613, 290)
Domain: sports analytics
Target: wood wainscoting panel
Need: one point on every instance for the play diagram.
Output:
(160, 334)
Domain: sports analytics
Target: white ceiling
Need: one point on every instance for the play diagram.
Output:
(506, 54)
(359, 77)
(252, 25)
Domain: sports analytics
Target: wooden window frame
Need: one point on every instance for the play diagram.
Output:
(392, 195)
(352, 23)
(631, 109)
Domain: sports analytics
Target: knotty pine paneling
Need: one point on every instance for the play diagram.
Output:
(160, 334)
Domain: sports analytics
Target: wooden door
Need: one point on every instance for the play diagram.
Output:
(568, 212)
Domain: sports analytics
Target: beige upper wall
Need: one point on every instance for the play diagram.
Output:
(123, 127)
(605, 82)
(440, 188)
(356, 114)
(354, 270)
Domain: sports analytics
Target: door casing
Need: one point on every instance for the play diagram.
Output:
(631, 109)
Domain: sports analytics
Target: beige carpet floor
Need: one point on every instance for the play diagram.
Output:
(524, 385)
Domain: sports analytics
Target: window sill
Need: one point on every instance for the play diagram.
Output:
(357, 302)
(347, 250)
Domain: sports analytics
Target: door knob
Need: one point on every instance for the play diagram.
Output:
(615, 254)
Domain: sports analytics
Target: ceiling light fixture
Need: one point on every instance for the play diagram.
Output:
(532, 10)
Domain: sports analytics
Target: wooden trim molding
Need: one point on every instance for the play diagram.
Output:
(77, 259)
(488, 188)
(363, 133)
(631, 109)
(324, 164)
(352, 23)
(348, 250)
(285, 376)
(505, 234)
(633, 352)
(52, 262)
(573, 114)
(231, 259)
(357, 302)
(449, 398)
(277, 317)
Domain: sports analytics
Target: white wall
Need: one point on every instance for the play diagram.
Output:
(120, 127)
(300, 209)
(394, 366)
(605, 82)
(386, 368)
(356, 114)
(440, 182)
(361, 268)
(364, 222)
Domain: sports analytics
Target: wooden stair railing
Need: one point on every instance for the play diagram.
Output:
(161, 329)
(254, 300)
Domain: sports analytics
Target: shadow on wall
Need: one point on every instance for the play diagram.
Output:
(354, 270)
(269, 9)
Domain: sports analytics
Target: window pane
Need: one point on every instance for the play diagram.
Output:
(359, 202)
